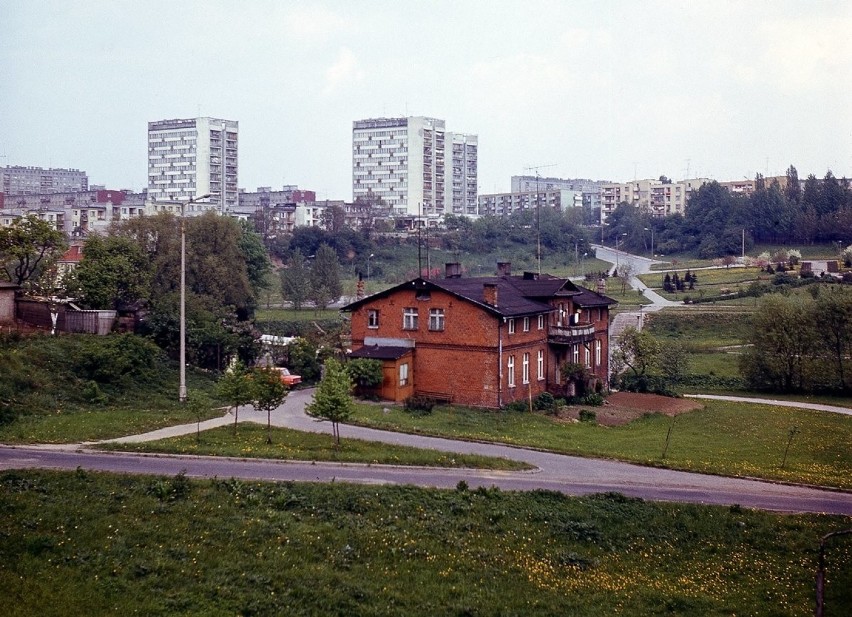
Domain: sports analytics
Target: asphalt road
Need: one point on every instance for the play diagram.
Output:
(567, 474)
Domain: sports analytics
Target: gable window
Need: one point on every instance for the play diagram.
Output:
(403, 374)
(541, 322)
(511, 370)
(511, 326)
(540, 365)
(409, 318)
(373, 318)
(526, 324)
(436, 319)
(525, 375)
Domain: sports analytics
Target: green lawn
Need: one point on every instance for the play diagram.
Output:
(733, 439)
(85, 544)
(250, 442)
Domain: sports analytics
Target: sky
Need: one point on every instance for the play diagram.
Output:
(601, 89)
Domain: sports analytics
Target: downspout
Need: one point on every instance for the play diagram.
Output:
(500, 362)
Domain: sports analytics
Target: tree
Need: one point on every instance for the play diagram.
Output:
(637, 349)
(296, 281)
(333, 398)
(625, 271)
(255, 256)
(673, 361)
(27, 245)
(833, 313)
(365, 372)
(268, 393)
(113, 272)
(236, 387)
(325, 275)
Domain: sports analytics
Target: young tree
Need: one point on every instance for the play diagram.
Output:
(637, 349)
(269, 393)
(236, 387)
(673, 361)
(333, 398)
(27, 245)
(325, 272)
(833, 313)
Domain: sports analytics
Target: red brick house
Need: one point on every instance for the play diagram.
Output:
(483, 341)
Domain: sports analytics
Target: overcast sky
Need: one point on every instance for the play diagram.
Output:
(600, 89)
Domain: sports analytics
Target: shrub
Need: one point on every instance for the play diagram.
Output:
(419, 405)
(517, 406)
(587, 415)
(594, 399)
(544, 402)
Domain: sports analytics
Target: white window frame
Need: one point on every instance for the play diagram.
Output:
(409, 318)
(403, 374)
(526, 324)
(598, 348)
(541, 322)
(525, 373)
(436, 319)
(588, 356)
(540, 365)
(373, 318)
(510, 370)
(576, 354)
(511, 326)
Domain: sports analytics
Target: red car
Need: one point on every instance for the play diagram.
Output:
(289, 379)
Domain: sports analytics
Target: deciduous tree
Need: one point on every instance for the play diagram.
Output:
(333, 397)
(28, 245)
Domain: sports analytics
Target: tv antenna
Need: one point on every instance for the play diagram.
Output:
(537, 169)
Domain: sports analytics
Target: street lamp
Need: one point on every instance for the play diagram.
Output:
(617, 238)
(369, 257)
(652, 240)
(183, 205)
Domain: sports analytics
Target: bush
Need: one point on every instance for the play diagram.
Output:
(419, 405)
(587, 415)
(594, 399)
(545, 402)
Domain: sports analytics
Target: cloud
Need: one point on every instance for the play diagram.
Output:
(343, 72)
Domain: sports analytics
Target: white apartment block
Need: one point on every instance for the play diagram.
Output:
(194, 157)
(650, 196)
(17, 180)
(504, 204)
(415, 166)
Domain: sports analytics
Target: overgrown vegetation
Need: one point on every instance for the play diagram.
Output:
(85, 544)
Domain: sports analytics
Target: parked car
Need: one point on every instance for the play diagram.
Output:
(288, 378)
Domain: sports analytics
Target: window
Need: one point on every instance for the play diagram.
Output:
(588, 360)
(372, 318)
(597, 352)
(403, 374)
(576, 354)
(436, 319)
(409, 319)
(540, 365)
(525, 375)
(511, 326)
(541, 322)
(526, 324)
(511, 370)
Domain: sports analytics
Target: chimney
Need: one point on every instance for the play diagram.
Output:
(489, 293)
(504, 268)
(453, 270)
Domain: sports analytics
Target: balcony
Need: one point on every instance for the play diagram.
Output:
(571, 335)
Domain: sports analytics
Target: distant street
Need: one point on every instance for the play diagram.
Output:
(567, 474)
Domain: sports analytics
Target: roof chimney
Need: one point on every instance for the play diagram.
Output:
(489, 293)
(504, 268)
(453, 270)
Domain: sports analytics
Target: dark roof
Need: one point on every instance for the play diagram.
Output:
(380, 352)
(517, 296)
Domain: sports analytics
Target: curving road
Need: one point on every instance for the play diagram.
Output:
(567, 474)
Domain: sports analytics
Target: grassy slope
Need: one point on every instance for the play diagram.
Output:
(81, 544)
(724, 438)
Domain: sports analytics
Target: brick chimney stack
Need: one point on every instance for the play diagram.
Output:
(453, 270)
(504, 268)
(489, 293)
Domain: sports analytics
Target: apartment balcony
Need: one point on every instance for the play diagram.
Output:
(571, 335)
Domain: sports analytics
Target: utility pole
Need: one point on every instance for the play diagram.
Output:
(536, 168)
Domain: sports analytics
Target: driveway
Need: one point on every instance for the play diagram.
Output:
(567, 474)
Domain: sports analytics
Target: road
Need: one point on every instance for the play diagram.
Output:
(567, 474)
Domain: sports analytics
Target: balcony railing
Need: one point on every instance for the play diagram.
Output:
(570, 335)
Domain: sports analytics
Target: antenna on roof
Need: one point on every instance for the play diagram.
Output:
(538, 206)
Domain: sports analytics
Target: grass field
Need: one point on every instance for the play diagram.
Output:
(250, 442)
(724, 438)
(85, 544)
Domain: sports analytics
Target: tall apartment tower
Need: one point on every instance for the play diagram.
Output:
(16, 180)
(193, 157)
(414, 165)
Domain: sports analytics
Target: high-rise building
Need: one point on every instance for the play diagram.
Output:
(18, 180)
(414, 165)
(193, 157)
